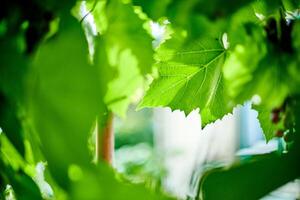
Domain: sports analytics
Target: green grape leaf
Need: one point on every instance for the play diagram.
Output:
(254, 71)
(265, 119)
(98, 9)
(64, 98)
(191, 78)
(129, 50)
(255, 171)
(121, 90)
(259, 86)
(101, 184)
(125, 30)
(267, 78)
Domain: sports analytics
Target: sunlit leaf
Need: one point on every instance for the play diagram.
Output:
(192, 78)
(121, 90)
(125, 30)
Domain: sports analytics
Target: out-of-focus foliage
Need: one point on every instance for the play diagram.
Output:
(259, 58)
(136, 128)
(136, 156)
(59, 91)
(58, 75)
(140, 163)
(52, 90)
(119, 96)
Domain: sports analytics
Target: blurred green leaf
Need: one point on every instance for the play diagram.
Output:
(101, 184)
(254, 71)
(64, 98)
(121, 90)
(267, 8)
(11, 124)
(13, 68)
(23, 185)
(178, 12)
(125, 30)
(10, 154)
(250, 180)
(265, 119)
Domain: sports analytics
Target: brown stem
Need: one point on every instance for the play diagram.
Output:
(108, 141)
(105, 143)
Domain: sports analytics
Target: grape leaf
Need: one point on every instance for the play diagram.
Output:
(253, 71)
(98, 9)
(265, 120)
(122, 88)
(129, 50)
(125, 30)
(100, 183)
(64, 98)
(261, 84)
(191, 78)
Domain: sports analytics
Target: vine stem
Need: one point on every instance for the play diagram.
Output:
(105, 141)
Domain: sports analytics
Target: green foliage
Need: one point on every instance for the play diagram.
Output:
(57, 78)
(64, 92)
(191, 78)
(13, 171)
(256, 64)
(12, 70)
(102, 185)
(252, 175)
(58, 90)
(121, 90)
(128, 47)
(122, 35)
